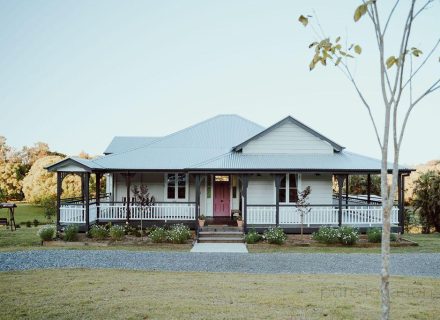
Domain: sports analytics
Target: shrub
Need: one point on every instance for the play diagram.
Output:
(131, 230)
(393, 237)
(348, 235)
(36, 222)
(46, 233)
(49, 203)
(326, 235)
(159, 234)
(28, 224)
(117, 232)
(98, 232)
(252, 237)
(178, 233)
(70, 232)
(374, 235)
(275, 235)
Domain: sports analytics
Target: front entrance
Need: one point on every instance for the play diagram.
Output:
(222, 200)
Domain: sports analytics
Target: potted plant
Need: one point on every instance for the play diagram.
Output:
(239, 221)
(201, 220)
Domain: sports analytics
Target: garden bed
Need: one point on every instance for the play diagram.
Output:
(306, 240)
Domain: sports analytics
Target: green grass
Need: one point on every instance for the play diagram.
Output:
(125, 294)
(21, 238)
(26, 212)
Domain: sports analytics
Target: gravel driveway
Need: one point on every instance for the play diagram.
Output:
(423, 264)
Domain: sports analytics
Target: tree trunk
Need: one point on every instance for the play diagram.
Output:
(385, 271)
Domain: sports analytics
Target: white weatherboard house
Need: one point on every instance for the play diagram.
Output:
(223, 166)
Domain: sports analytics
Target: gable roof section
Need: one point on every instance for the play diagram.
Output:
(121, 144)
(289, 119)
(80, 163)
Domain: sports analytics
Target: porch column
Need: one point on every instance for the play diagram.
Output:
(128, 182)
(197, 198)
(340, 186)
(277, 198)
(368, 188)
(98, 193)
(86, 196)
(244, 182)
(346, 191)
(59, 190)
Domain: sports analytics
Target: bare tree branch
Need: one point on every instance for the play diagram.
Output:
(422, 64)
(389, 18)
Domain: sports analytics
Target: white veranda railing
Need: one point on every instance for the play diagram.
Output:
(324, 215)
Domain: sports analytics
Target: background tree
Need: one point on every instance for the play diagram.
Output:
(40, 184)
(396, 79)
(427, 200)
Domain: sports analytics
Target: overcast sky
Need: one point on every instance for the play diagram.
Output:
(76, 73)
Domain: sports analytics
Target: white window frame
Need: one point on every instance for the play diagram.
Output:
(298, 188)
(175, 199)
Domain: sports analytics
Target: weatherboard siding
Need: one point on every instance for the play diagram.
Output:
(321, 186)
(288, 139)
(261, 190)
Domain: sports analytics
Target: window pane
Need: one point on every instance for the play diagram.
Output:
(292, 180)
(282, 195)
(171, 194)
(293, 195)
(181, 192)
(283, 182)
(171, 179)
(181, 179)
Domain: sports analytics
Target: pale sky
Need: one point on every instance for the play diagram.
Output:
(76, 73)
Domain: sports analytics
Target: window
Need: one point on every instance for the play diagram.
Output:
(176, 186)
(288, 192)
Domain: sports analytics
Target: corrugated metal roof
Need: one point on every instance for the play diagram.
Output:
(121, 144)
(205, 140)
(343, 161)
(207, 146)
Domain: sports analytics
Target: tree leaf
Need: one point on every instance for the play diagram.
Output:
(313, 44)
(303, 20)
(390, 61)
(359, 12)
(338, 61)
(312, 65)
(337, 39)
(357, 49)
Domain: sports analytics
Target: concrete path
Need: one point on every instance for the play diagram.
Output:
(220, 247)
(414, 264)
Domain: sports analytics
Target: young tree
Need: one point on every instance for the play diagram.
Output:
(303, 205)
(397, 77)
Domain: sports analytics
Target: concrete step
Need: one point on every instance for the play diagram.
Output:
(220, 234)
(221, 229)
(220, 240)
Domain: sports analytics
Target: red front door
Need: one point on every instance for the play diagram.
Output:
(222, 204)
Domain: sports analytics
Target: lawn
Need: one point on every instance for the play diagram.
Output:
(123, 294)
(26, 212)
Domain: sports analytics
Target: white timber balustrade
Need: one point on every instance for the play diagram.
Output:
(317, 215)
(112, 211)
(72, 213)
(261, 215)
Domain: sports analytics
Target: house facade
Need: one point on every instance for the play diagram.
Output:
(222, 167)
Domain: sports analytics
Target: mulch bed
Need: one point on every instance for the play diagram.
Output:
(128, 241)
(307, 241)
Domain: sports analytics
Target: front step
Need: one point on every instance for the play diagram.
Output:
(220, 240)
(219, 234)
